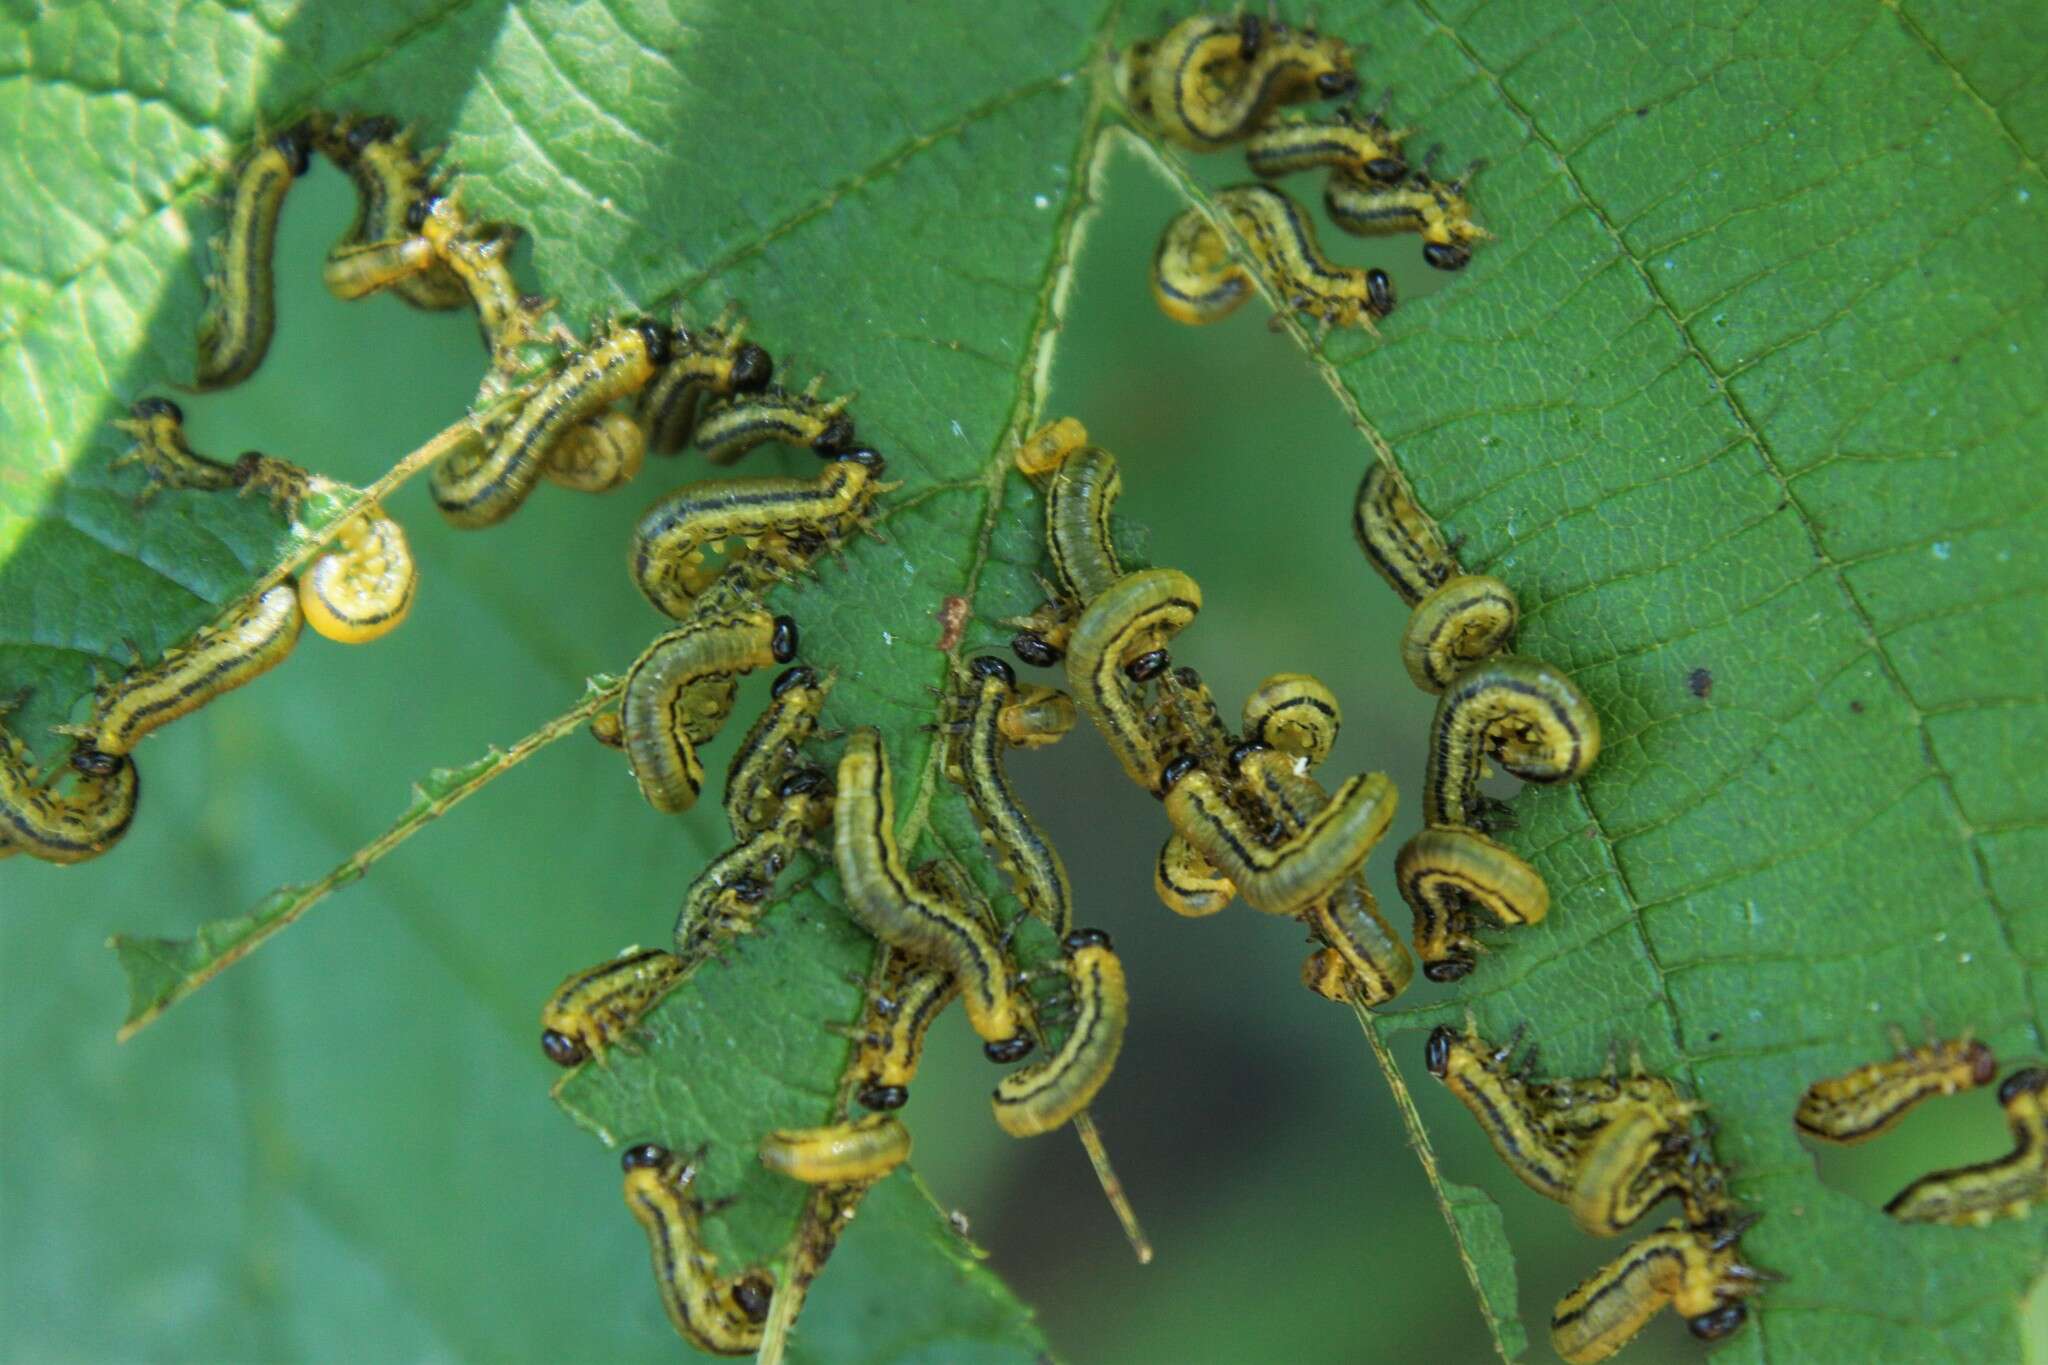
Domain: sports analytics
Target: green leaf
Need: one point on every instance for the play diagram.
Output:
(1749, 383)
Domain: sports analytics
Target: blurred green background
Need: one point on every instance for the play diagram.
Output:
(345, 1148)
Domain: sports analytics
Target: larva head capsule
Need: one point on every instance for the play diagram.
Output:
(1436, 1055)
(370, 130)
(782, 643)
(1174, 771)
(832, 442)
(561, 1049)
(1148, 665)
(800, 676)
(989, 666)
(752, 1294)
(2025, 1082)
(642, 1156)
(1719, 1323)
(1006, 1050)
(1035, 649)
(93, 763)
(296, 145)
(882, 1098)
(1086, 938)
(144, 408)
(657, 336)
(752, 368)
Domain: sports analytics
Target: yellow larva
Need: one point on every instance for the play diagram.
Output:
(1376, 967)
(362, 588)
(36, 820)
(1446, 873)
(1358, 145)
(1043, 449)
(1423, 204)
(1079, 500)
(1540, 1156)
(714, 362)
(1401, 542)
(730, 429)
(1872, 1099)
(1696, 1271)
(1213, 80)
(881, 895)
(592, 1009)
(976, 762)
(1971, 1196)
(1036, 716)
(719, 1314)
(1529, 716)
(1187, 883)
(1281, 878)
(731, 893)
(913, 992)
(1046, 1094)
(479, 488)
(1629, 1164)
(480, 256)
(1294, 713)
(241, 312)
(1469, 619)
(770, 747)
(598, 455)
(158, 426)
(357, 271)
(667, 552)
(862, 1149)
(251, 641)
(389, 179)
(1195, 281)
(1123, 630)
(655, 715)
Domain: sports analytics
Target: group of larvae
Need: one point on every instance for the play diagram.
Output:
(1215, 81)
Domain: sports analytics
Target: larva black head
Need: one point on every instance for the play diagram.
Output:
(752, 1295)
(804, 782)
(783, 642)
(562, 1050)
(1386, 170)
(1086, 938)
(656, 335)
(296, 145)
(2026, 1082)
(1983, 1065)
(1008, 1049)
(1034, 649)
(378, 129)
(1456, 967)
(1333, 85)
(93, 763)
(800, 676)
(835, 438)
(1245, 750)
(1147, 666)
(1717, 1324)
(643, 1155)
(1447, 255)
(247, 464)
(144, 408)
(420, 210)
(1251, 35)
(989, 666)
(1436, 1054)
(867, 457)
(881, 1098)
(1379, 291)
(751, 370)
(1187, 677)
(1174, 771)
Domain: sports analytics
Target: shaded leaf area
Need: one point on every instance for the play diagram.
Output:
(567, 119)
(1749, 386)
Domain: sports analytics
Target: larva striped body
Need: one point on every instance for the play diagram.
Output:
(913, 993)
(241, 310)
(731, 893)
(1465, 621)
(1189, 884)
(1446, 873)
(1032, 864)
(882, 897)
(1872, 1099)
(862, 1149)
(597, 455)
(1375, 967)
(1295, 714)
(1281, 878)
(1528, 716)
(389, 179)
(1128, 626)
(704, 363)
(592, 1009)
(254, 639)
(1046, 1094)
(770, 747)
(1630, 1164)
(656, 715)
(1213, 80)
(158, 426)
(1541, 1158)
(357, 271)
(1971, 1196)
(480, 257)
(1434, 208)
(667, 560)
(733, 427)
(719, 1314)
(475, 489)
(1696, 1272)
(362, 588)
(1403, 545)
(1079, 500)
(1195, 281)
(36, 820)
(1345, 141)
